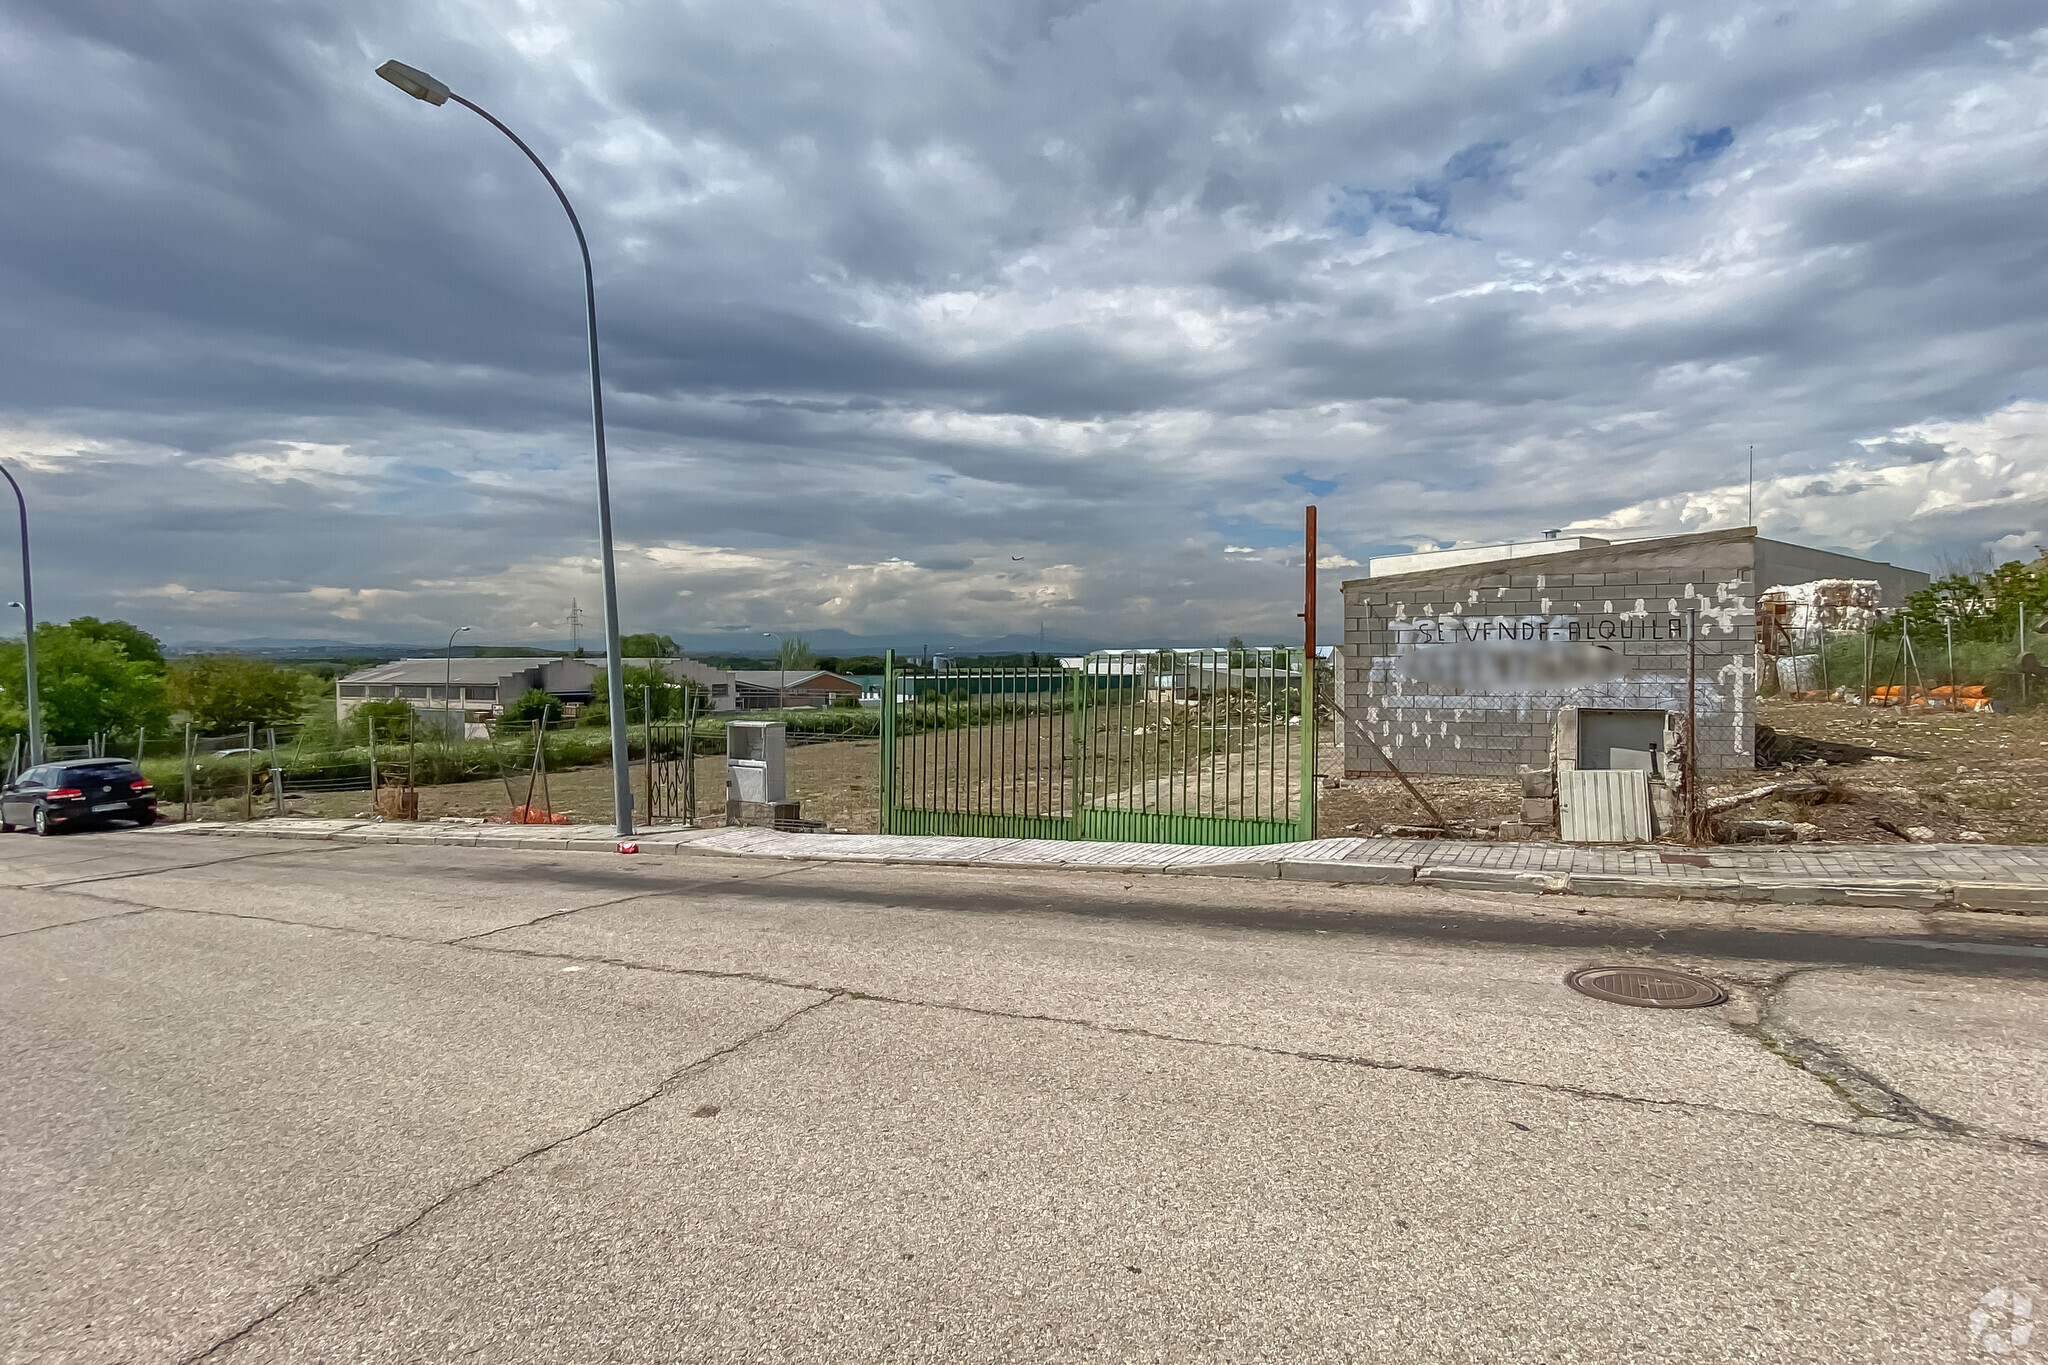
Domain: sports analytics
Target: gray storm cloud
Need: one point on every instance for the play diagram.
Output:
(971, 317)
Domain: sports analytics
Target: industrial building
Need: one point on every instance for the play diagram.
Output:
(1573, 653)
(770, 688)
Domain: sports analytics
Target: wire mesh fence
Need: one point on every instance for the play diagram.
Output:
(1202, 747)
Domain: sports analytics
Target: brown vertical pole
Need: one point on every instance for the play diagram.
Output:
(1308, 612)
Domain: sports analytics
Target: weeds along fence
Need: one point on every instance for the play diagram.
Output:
(1199, 748)
(254, 770)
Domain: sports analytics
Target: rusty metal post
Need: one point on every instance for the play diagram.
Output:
(1308, 611)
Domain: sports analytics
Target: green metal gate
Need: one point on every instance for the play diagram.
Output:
(1199, 747)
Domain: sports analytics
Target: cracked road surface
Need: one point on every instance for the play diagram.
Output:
(320, 1103)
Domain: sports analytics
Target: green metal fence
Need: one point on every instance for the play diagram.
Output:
(1206, 747)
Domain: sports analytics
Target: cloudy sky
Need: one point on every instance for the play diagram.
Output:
(962, 317)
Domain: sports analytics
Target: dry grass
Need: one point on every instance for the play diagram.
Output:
(1955, 774)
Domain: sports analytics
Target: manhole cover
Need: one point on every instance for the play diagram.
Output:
(1651, 986)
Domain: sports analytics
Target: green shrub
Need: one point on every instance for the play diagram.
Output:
(393, 719)
(535, 705)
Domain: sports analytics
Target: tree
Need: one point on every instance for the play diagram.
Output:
(87, 686)
(850, 663)
(795, 654)
(648, 646)
(668, 692)
(534, 705)
(1984, 606)
(223, 692)
(392, 717)
(137, 643)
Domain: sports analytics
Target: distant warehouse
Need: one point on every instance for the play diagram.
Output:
(1570, 653)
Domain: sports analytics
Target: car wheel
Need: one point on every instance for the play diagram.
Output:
(42, 819)
(146, 819)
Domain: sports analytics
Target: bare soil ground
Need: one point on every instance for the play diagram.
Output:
(1958, 776)
(1936, 775)
(835, 781)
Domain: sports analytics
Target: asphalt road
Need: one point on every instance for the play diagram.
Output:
(318, 1103)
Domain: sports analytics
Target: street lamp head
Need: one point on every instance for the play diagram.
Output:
(414, 82)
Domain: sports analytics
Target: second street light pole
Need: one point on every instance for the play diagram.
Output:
(28, 635)
(421, 86)
(448, 680)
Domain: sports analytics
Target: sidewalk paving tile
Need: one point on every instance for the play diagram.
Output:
(2011, 878)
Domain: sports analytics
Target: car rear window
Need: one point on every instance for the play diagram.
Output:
(102, 771)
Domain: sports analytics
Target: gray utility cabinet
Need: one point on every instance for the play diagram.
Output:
(754, 762)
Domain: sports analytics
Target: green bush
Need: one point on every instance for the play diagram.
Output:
(535, 705)
(393, 718)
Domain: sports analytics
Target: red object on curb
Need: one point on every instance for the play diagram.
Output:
(629, 848)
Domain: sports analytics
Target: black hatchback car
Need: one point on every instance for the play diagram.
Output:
(82, 791)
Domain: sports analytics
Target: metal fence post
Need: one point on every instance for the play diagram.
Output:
(249, 774)
(276, 774)
(188, 772)
(1077, 745)
(1308, 745)
(887, 787)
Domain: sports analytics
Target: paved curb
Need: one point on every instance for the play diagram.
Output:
(1326, 861)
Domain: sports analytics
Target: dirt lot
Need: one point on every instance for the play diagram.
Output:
(1933, 775)
(1957, 776)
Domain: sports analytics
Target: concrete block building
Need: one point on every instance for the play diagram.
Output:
(1575, 656)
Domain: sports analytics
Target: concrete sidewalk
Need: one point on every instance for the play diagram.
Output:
(2008, 878)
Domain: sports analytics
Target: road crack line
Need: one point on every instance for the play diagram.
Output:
(1947, 1129)
(599, 905)
(178, 867)
(370, 1249)
(1862, 1091)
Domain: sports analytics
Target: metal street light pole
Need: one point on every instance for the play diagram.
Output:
(28, 637)
(448, 677)
(421, 86)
